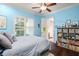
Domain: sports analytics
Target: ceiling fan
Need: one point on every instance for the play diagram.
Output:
(44, 6)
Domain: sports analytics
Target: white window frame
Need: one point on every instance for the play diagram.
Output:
(25, 26)
(28, 26)
(25, 19)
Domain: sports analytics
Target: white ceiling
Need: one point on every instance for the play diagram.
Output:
(28, 7)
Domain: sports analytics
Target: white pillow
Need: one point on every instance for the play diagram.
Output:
(4, 42)
(8, 36)
(11, 37)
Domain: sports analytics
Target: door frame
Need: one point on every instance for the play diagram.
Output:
(51, 19)
(46, 19)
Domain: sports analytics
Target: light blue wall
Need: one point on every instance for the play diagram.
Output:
(63, 15)
(60, 17)
(10, 12)
(37, 29)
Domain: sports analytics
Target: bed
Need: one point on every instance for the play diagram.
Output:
(28, 46)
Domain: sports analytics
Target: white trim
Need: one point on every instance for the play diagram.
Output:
(51, 17)
(44, 24)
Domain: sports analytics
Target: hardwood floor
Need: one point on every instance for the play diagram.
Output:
(59, 51)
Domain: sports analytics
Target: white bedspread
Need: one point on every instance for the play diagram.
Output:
(27, 46)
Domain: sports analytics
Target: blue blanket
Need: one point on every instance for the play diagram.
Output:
(28, 46)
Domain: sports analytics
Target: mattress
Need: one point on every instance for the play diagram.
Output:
(27, 46)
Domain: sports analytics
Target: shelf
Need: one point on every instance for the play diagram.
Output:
(76, 33)
(68, 28)
(69, 43)
(69, 38)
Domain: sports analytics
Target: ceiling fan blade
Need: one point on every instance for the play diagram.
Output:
(48, 9)
(35, 7)
(40, 11)
(45, 4)
(50, 4)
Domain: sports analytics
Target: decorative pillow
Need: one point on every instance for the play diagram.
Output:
(4, 42)
(8, 36)
(13, 37)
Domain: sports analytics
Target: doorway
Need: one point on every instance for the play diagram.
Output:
(50, 27)
(47, 28)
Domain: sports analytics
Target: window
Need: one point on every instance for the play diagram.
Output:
(23, 26)
(20, 26)
(30, 26)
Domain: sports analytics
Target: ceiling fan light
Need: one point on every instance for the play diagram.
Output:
(43, 7)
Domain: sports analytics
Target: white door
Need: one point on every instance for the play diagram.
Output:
(47, 28)
(44, 28)
(50, 33)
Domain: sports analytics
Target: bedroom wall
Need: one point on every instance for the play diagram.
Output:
(10, 12)
(60, 17)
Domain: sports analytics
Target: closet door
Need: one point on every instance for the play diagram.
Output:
(20, 25)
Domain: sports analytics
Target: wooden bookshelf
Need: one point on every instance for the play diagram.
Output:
(68, 37)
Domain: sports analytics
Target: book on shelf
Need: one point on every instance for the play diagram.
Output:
(73, 47)
(77, 31)
(68, 37)
(76, 43)
(70, 47)
(59, 44)
(77, 49)
(71, 30)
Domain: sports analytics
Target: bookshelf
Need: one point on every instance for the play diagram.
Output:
(68, 37)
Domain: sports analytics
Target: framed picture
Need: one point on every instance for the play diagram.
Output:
(3, 22)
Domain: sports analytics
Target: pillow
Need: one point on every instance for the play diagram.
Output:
(8, 36)
(4, 42)
(13, 37)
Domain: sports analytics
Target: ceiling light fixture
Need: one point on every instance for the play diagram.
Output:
(43, 7)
